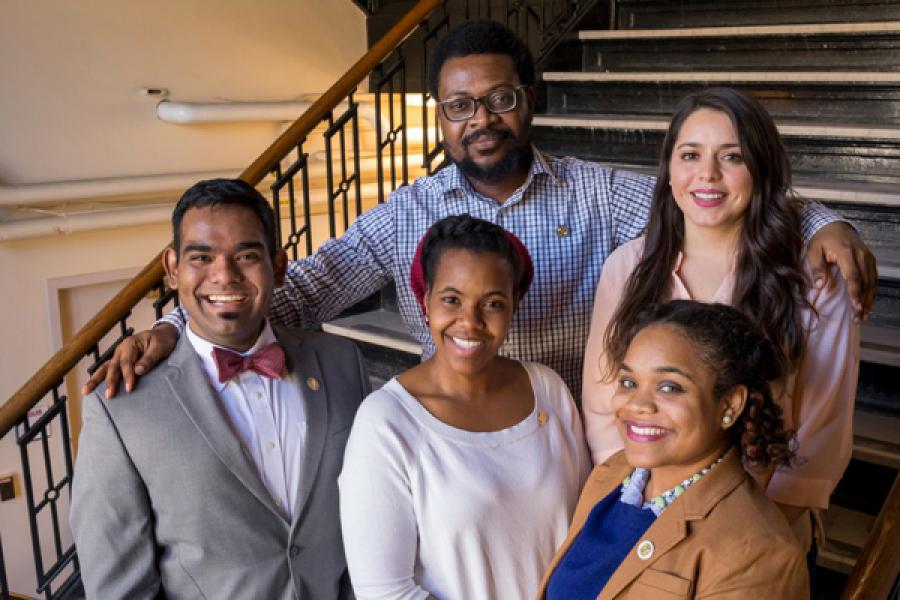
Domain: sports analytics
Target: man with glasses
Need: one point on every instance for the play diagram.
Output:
(571, 214)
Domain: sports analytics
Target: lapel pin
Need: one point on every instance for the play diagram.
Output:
(313, 384)
(645, 550)
(563, 231)
(542, 418)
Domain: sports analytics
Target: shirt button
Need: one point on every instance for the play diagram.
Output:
(294, 550)
(257, 395)
(270, 445)
(563, 231)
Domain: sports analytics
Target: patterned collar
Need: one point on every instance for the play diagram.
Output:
(634, 484)
(455, 182)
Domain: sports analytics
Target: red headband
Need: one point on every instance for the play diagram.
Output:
(417, 272)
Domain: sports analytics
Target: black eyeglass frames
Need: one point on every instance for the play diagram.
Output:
(497, 101)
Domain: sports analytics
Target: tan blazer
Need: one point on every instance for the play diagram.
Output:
(722, 539)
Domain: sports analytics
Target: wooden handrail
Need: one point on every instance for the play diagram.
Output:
(55, 369)
(337, 92)
(878, 563)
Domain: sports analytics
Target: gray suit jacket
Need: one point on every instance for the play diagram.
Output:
(166, 503)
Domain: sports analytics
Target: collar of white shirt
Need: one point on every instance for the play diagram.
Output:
(204, 349)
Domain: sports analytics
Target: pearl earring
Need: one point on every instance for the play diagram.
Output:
(727, 419)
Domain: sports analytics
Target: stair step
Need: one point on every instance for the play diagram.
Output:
(647, 14)
(379, 327)
(848, 192)
(876, 438)
(834, 152)
(730, 77)
(381, 335)
(745, 31)
(656, 124)
(846, 532)
(880, 345)
(808, 47)
(863, 98)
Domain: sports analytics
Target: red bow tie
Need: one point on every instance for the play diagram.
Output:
(268, 362)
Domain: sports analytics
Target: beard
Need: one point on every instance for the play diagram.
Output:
(516, 155)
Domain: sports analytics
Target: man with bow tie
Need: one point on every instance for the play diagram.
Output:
(218, 478)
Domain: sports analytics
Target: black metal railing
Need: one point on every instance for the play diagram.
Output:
(45, 442)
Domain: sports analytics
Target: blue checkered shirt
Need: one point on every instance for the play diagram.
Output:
(569, 213)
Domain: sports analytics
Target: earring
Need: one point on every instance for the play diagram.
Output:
(427, 322)
(726, 420)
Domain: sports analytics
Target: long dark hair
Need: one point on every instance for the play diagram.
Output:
(770, 285)
(739, 355)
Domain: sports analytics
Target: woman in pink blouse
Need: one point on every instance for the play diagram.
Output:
(724, 227)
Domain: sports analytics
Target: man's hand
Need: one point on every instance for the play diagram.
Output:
(839, 244)
(135, 356)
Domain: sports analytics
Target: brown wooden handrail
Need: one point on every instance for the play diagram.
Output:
(55, 369)
(47, 377)
(878, 563)
(337, 92)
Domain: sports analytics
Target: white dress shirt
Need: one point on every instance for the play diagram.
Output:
(268, 416)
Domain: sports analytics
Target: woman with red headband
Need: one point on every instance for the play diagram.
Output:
(461, 474)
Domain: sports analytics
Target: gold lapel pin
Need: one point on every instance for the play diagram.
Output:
(542, 418)
(563, 231)
(313, 384)
(645, 550)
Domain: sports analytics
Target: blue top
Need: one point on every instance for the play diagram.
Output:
(610, 532)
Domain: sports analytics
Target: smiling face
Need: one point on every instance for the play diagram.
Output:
(223, 274)
(710, 181)
(469, 308)
(665, 408)
(487, 147)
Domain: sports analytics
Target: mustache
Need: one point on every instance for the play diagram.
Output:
(500, 134)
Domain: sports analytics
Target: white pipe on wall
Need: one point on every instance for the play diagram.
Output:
(65, 191)
(66, 224)
(188, 113)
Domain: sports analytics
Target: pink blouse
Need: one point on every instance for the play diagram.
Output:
(817, 400)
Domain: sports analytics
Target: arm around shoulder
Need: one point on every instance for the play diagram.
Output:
(111, 516)
(343, 271)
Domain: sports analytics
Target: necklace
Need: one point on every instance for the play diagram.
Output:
(634, 484)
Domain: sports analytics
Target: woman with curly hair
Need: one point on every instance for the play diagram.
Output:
(676, 515)
(461, 474)
(724, 227)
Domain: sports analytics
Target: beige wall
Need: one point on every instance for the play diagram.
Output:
(72, 72)
(71, 109)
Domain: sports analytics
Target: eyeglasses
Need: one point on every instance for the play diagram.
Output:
(499, 101)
